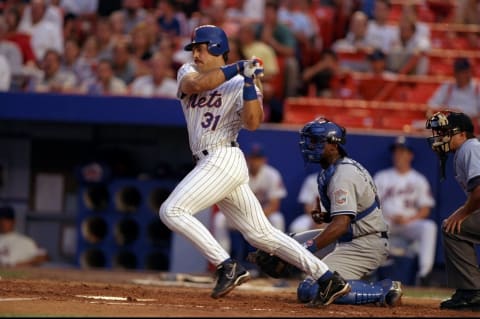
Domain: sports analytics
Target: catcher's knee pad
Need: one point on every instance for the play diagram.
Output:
(307, 290)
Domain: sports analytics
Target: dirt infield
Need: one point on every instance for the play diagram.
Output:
(39, 292)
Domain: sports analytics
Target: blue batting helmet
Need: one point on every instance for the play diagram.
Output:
(315, 134)
(213, 36)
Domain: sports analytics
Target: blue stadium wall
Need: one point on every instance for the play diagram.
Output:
(279, 141)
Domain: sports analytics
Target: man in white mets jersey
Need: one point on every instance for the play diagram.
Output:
(406, 199)
(452, 132)
(218, 100)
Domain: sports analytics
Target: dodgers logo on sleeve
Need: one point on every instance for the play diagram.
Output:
(340, 197)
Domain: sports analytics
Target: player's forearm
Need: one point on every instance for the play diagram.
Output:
(200, 82)
(333, 231)
(252, 114)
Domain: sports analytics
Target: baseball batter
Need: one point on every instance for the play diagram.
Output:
(353, 214)
(453, 133)
(218, 100)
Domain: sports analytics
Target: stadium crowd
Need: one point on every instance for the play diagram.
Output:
(134, 47)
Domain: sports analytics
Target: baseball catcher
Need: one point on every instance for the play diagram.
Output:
(354, 240)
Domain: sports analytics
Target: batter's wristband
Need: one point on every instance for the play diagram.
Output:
(249, 91)
(229, 70)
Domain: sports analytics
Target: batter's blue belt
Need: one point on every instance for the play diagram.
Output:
(196, 157)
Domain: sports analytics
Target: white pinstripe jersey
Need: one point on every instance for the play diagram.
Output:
(213, 117)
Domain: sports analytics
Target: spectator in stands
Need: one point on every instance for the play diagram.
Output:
(406, 199)
(234, 12)
(461, 95)
(86, 10)
(70, 58)
(468, 12)
(266, 183)
(103, 35)
(371, 87)
(17, 4)
(282, 40)
(17, 250)
(167, 47)
(380, 34)
(123, 63)
(49, 12)
(377, 61)
(73, 28)
(167, 20)
(21, 39)
(250, 46)
(307, 197)
(88, 59)
(105, 82)
(10, 50)
(296, 15)
(354, 42)
(52, 78)
(118, 26)
(254, 10)
(133, 13)
(156, 84)
(42, 25)
(328, 79)
(141, 47)
(5, 74)
(408, 54)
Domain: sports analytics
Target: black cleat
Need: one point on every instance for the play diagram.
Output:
(329, 290)
(463, 300)
(229, 275)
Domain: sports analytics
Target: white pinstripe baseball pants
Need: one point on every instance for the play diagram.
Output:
(221, 178)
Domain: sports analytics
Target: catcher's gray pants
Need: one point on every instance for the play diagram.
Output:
(352, 260)
(461, 261)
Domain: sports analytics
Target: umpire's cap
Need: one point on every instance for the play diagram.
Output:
(461, 121)
(7, 212)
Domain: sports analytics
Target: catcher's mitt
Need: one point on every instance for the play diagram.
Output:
(272, 265)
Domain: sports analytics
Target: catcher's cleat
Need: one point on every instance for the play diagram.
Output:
(229, 275)
(329, 290)
(394, 295)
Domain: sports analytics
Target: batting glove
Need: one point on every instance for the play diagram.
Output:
(252, 68)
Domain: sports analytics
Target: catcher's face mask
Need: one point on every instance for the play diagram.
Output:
(314, 135)
(442, 132)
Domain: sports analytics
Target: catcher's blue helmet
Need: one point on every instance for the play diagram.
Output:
(213, 36)
(315, 134)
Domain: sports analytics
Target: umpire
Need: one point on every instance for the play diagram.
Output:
(452, 132)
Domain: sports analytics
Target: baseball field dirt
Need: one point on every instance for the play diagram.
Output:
(59, 292)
